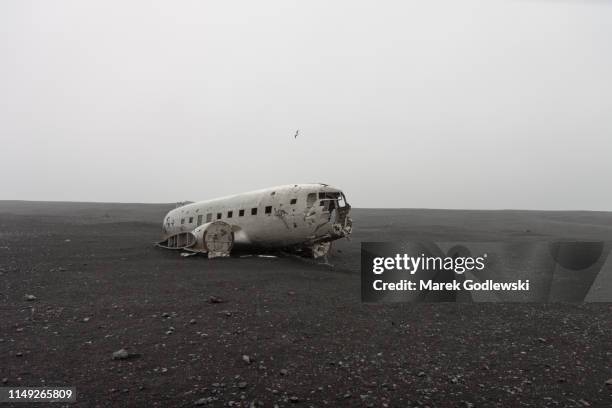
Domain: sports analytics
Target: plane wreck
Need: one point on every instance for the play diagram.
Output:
(304, 218)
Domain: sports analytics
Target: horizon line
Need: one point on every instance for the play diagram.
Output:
(353, 207)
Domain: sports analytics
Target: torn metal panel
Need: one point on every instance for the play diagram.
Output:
(182, 240)
(214, 238)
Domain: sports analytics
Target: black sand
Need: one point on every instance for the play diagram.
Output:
(101, 286)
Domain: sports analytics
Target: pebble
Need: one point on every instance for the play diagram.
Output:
(294, 399)
(242, 385)
(246, 359)
(30, 297)
(120, 354)
(284, 371)
(215, 299)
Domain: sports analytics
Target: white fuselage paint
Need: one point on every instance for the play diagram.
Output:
(279, 222)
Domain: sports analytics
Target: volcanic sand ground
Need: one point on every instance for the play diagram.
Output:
(100, 286)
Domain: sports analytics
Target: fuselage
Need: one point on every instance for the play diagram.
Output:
(282, 216)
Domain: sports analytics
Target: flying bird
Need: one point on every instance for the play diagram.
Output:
(296, 134)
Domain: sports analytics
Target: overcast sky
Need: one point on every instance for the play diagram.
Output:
(439, 104)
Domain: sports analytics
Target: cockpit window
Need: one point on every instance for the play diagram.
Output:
(330, 195)
(328, 200)
(328, 205)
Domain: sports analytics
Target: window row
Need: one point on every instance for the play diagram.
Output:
(230, 213)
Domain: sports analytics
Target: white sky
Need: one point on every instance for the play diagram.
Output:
(441, 104)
